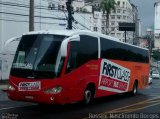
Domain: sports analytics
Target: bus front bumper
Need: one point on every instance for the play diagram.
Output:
(35, 97)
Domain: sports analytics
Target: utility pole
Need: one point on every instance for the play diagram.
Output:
(70, 12)
(31, 16)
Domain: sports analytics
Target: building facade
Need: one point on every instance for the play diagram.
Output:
(124, 12)
(157, 25)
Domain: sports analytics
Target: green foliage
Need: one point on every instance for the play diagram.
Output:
(156, 55)
(108, 6)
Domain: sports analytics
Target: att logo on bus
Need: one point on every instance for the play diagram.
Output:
(113, 77)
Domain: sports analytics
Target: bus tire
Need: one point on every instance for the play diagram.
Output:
(135, 88)
(88, 95)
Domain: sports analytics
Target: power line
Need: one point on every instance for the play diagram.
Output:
(15, 8)
(9, 13)
(81, 24)
(66, 15)
(14, 20)
(86, 18)
(41, 7)
(22, 5)
(27, 7)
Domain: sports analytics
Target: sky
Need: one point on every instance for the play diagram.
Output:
(146, 12)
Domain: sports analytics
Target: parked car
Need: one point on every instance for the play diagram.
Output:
(155, 74)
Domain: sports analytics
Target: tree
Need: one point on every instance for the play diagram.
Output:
(107, 6)
(156, 55)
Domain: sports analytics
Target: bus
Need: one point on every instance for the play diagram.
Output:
(68, 66)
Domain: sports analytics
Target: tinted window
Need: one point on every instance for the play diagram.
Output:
(36, 56)
(87, 49)
(119, 51)
(72, 60)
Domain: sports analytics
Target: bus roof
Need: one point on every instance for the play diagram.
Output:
(66, 32)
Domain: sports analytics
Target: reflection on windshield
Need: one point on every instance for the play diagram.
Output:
(37, 53)
(22, 65)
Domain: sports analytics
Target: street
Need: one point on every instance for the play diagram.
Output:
(147, 101)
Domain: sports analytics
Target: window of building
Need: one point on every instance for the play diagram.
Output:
(51, 6)
(103, 23)
(104, 16)
(124, 11)
(112, 23)
(112, 34)
(123, 4)
(118, 3)
(77, 9)
(124, 17)
(118, 34)
(62, 7)
(103, 28)
(118, 17)
(80, 9)
(95, 20)
(113, 11)
(112, 16)
(112, 29)
(95, 28)
(118, 11)
(59, 7)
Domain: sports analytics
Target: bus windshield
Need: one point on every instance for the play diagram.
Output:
(36, 56)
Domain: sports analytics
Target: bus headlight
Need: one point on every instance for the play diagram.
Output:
(54, 90)
(11, 88)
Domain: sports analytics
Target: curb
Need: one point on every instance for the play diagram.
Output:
(3, 87)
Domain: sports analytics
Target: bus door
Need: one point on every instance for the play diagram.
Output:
(73, 76)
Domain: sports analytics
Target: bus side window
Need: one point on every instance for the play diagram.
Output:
(72, 60)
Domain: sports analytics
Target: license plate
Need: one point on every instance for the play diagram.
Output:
(29, 86)
(29, 97)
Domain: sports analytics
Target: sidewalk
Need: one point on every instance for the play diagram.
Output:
(3, 84)
(3, 96)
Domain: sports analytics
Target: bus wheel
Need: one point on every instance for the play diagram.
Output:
(135, 88)
(88, 95)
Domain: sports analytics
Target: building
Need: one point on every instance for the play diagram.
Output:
(143, 42)
(157, 25)
(6, 57)
(125, 12)
(136, 34)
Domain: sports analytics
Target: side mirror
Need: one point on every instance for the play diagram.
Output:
(65, 44)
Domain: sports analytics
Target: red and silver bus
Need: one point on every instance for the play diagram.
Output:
(66, 66)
